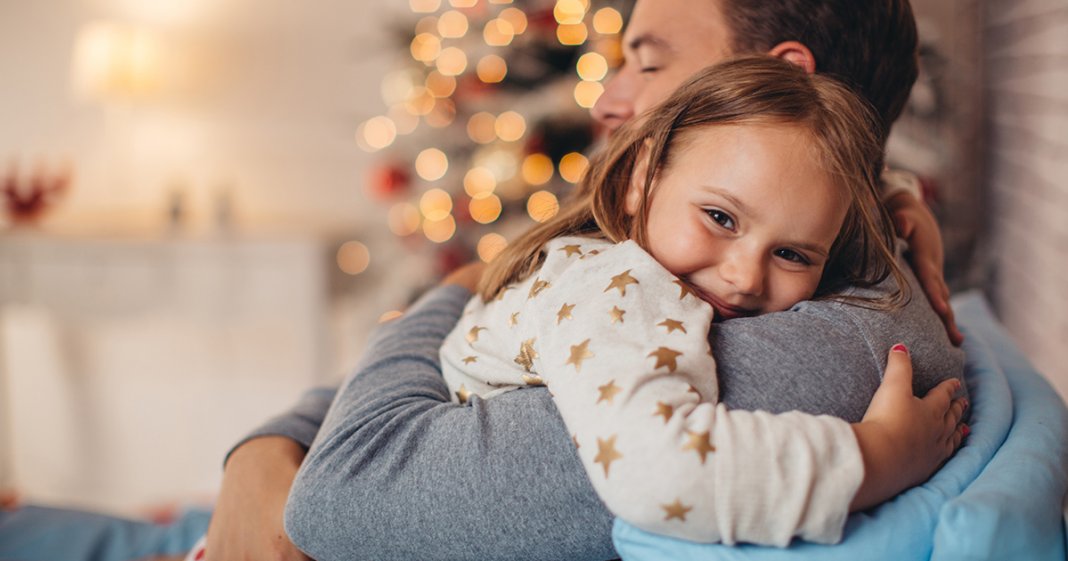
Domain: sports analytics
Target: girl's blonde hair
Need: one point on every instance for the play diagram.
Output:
(758, 89)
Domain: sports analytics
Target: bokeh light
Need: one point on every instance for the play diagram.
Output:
(397, 86)
(510, 126)
(353, 257)
(404, 120)
(463, 3)
(439, 84)
(569, 12)
(500, 1)
(377, 133)
(498, 32)
(421, 101)
(452, 61)
(501, 161)
(592, 67)
(491, 69)
(537, 169)
(403, 219)
(440, 231)
(479, 183)
(485, 210)
(587, 93)
(542, 206)
(426, 47)
(452, 24)
(573, 167)
(443, 115)
(607, 21)
(611, 49)
(516, 17)
(490, 246)
(435, 204)
(424, 6)
(481, 127)
(431, 164)
(572, 34)
(428, 24)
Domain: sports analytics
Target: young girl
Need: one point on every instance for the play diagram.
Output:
(750, 190)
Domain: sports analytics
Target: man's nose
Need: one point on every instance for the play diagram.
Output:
(616, 104)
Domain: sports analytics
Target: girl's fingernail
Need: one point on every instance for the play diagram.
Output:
(899, 348)
(965, 430)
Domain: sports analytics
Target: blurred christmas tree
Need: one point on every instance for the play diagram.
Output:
(486, 125)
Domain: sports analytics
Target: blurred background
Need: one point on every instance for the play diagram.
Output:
(208, 205)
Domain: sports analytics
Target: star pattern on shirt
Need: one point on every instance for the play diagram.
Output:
(617, 314)
(537, 288)
(665, 358)
(676, 510)
(513, 320)
(500, 295)
(574, 439)
(700, 442)
(571, 250)
(470, 359)
(526, 355)
(591, 253)
(621, 281)
(533, 380)
(608, 392)
(564, 313)
(685, 289)
(463, 394)
(606, 453)
(472, 335)
(672, 325)
(664, 410)
(579, 353)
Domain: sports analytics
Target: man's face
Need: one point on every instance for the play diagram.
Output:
(666, 42)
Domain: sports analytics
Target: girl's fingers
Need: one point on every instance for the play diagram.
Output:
(955, 412)
(941, 397)
(898, 369)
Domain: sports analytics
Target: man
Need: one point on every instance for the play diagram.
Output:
(378, 495)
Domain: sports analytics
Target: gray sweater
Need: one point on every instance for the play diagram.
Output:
(397, 471)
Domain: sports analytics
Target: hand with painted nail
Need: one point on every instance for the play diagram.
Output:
(904, 439)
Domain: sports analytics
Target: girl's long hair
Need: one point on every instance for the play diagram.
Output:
(758, 89)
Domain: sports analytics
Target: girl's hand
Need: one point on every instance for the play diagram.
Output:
(917, 225)
(467, 276)
(902, 438)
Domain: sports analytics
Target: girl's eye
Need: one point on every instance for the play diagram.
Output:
(791, 255)
(721, 218)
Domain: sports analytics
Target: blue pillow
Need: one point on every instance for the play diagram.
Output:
(905, 528)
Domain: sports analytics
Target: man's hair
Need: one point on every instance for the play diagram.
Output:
(871, 45)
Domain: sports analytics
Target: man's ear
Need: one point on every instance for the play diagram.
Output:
(636, 189)
(796, 53)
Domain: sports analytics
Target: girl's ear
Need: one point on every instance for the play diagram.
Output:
(636, 189)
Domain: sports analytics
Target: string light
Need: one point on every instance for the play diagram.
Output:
(431, 164)
(569, 12)
(353, 258)
(491, 69)
(498, 32)
(452, 61)
(607, 21)
(481, 127)
(485, 210)
(516, 17)
(592, 67)
(510, 126)
(537, 169)
(403, 219)
(490, 246)
(479, 183)
(435, 205)
(573, 167)
(452, 24)
(426, 47)
(572, 34)
(587, 93)
(377, 133)
(424, 6)
(440, 231)
(542, 206)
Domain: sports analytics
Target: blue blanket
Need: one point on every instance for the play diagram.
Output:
(999, 498)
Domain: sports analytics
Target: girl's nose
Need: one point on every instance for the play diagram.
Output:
(745, 273)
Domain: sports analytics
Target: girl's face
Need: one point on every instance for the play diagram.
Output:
(744, 214)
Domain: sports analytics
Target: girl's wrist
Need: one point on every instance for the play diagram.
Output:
(877, 454)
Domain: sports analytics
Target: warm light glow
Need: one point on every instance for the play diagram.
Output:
(501, 162)
(592, 67)
(500, 1)
(490, 246)
(112, 60)
(607, 21)
(573, 167)
(435, 204)
(378, 133)
(572, 34)
(587, 93)
(542, 206)
(516, 17)
(479, 183)
(481, 127)
(440, 231)
(492, 69)
(463, 3)
(353, 257)
(426, 47)
(439, 84)
(443, 115)
(390, 316)
(428, 24)
(424, 6)
(611, 49)
(510, 126)
(421, 101)
(537, 169)
(404, 120)
(498, 32)
(403, 219)
(486, 210)
(452, 61)
(452, 24)
(569, 12)
(431, 164)
(397, 86)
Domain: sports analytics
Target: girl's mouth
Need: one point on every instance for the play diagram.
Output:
(724, 311)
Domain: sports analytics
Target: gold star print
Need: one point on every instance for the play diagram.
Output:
(608, 392)
(513, 320)
(463, 394)
(533, 380)
(573, 249)
(500, 295)
(537, 288)
(607, 453)
(685, 289)
(701, 443)
(575, 440)
(664, 410)
(470, 359)
(676, 510)
(617, 314)
(621, 281)
(665, 357)
(694, 390)
(564, 313)
(591, 253)
(526, 355)
(579, 353)
(472, 336)
(672, 325)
